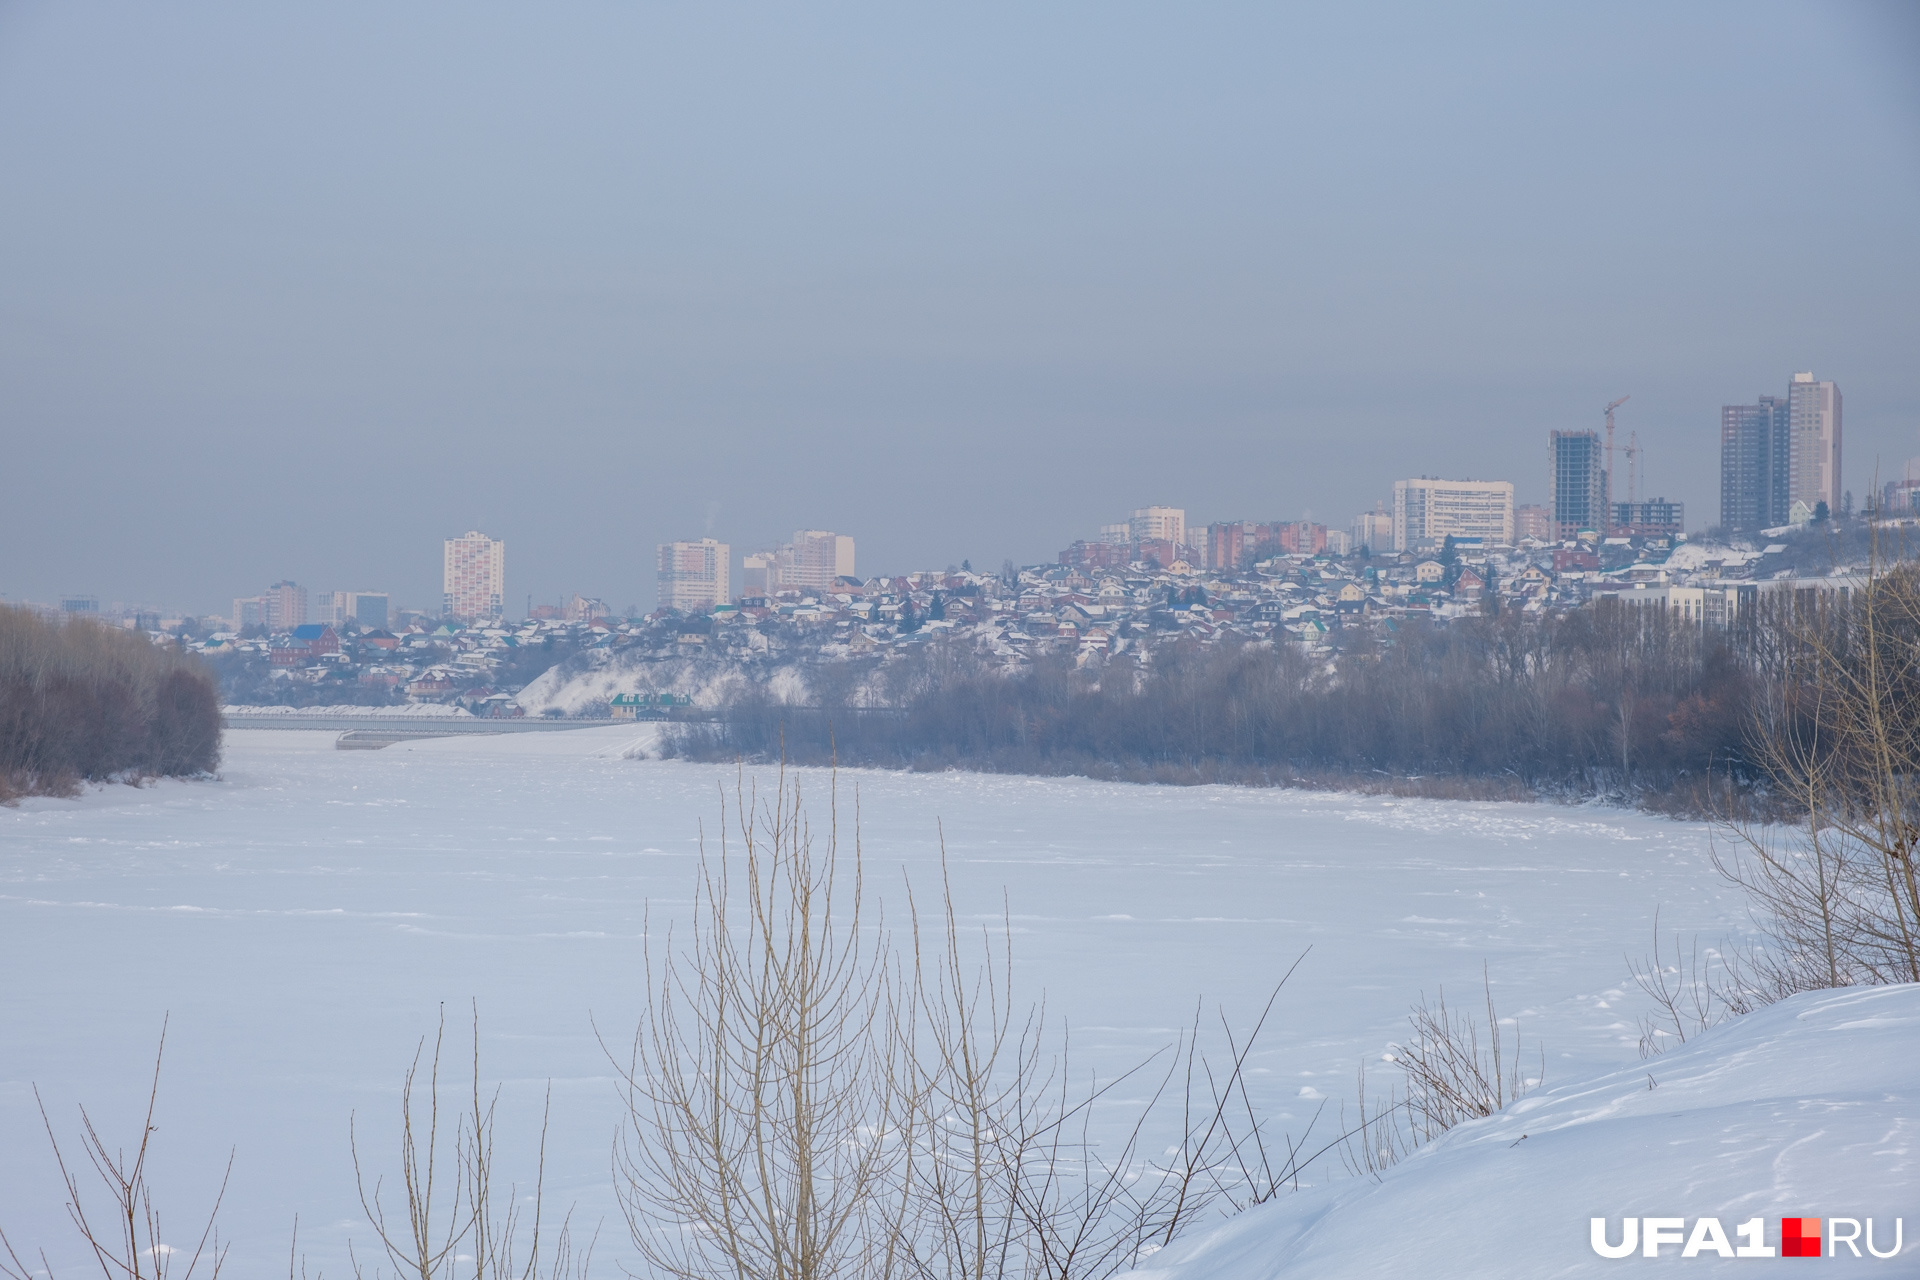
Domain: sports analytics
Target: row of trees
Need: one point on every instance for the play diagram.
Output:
(82, 701)
(1607, 699)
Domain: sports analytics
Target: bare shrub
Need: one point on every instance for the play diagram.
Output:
(805, 1101)
(126, 1238)
(764, 1093)
(1455, 1067)
(448, 1196)
(1691, 994)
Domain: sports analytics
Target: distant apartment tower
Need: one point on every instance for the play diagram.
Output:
(365, 609)
(759, 574)
(1532, 521)
(815, 558)
(249, 611)
(1656, 517)
(368, 610)
(1813, 410)
(1229, 542)
(693, 575)
(1428, 510)
(284, 607)
(474, 580)
(1900, 496)
(74, 603)
(1756, 450)
(1373, 529)
(1158, 524)
(1579, 483)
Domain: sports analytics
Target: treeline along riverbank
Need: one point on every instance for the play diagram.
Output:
(1602, 701)
(80, 701)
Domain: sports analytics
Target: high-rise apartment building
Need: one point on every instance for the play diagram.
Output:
(474, 581)
(1158, 524)
(1428, 510)
(249, 611)
(1813, 410)
(759, 574)
(369, 610)
(815, 558)
(1373, 529)
(1756, 446)
(284, 607)
(1579, 483)
(1229, 542)
(693, 576)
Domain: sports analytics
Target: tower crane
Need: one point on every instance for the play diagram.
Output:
(1633, 466)
(1606, 516)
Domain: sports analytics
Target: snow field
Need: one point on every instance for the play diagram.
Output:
(305, 918)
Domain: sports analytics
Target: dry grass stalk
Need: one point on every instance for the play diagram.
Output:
(448, 1188)
(1691, 993)
(126, 1240)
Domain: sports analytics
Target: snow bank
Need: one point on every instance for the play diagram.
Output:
(412, 711)
(1807, 1108)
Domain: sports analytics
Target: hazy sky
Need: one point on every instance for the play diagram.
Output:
(298, 290)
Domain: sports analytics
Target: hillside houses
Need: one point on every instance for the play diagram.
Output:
(1087, 611)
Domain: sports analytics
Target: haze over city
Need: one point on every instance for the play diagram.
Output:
(301, 293)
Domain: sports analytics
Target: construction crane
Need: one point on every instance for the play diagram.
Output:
(1606, 517)
(1633, 466)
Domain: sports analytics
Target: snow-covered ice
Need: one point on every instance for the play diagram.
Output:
(304, 918)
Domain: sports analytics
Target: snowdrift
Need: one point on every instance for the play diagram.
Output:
(1810, 1107)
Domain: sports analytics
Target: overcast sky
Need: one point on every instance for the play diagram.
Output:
(300, 290)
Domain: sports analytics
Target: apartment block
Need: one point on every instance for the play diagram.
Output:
(1579, 483)
(1373, 529)
(284, 607)
(1430, 510)
(693, 576)
(1158, 524)
(815, 558)
(1532, 521)
(1813, 411)
(1654, 518)
(1756, 450)
(474, 581)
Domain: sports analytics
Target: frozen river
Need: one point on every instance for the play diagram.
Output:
(304, 918)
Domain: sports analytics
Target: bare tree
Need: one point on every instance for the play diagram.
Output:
(1839, 735)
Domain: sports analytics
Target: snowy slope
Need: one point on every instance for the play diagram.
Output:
(575, 686)
(1809, 1108)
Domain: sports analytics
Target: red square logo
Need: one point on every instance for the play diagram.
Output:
(1799, 1237)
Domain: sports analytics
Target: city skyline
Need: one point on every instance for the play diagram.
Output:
(973, 295)
(1773, 455)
